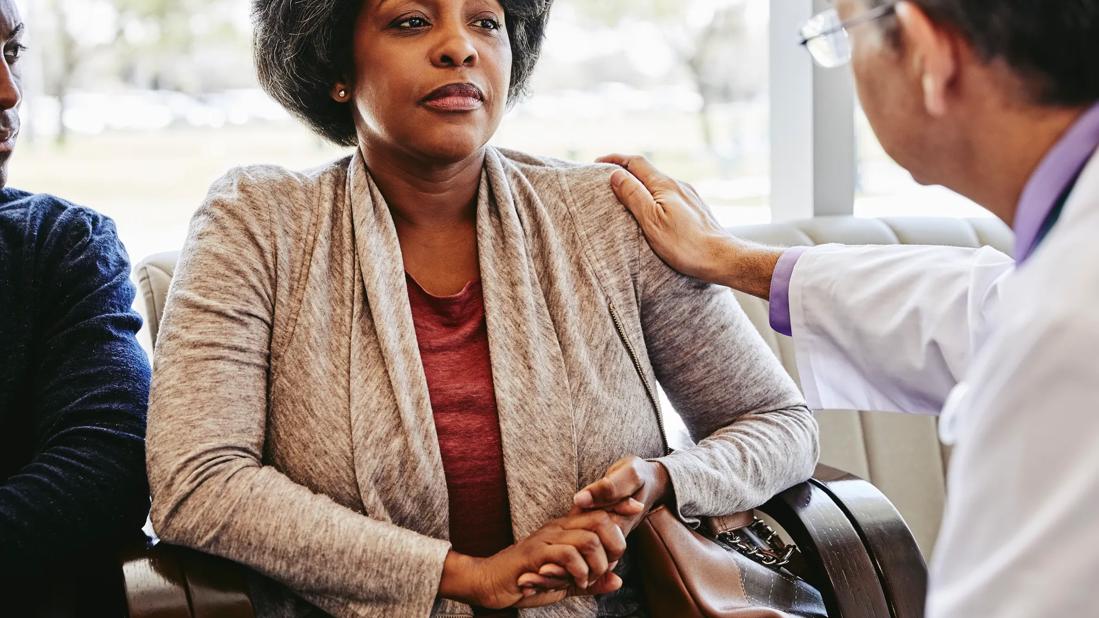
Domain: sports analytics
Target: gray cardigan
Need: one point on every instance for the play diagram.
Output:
(290, 427)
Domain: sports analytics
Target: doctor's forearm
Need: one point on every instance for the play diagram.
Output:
(746, 267)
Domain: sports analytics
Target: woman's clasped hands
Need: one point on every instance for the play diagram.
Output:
(585, 545)
(574, 555)
(628, 491)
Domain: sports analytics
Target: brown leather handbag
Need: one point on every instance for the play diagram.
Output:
(734, 570)
(732, 567)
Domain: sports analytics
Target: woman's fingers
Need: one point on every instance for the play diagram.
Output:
(622, 481)
(606, 584)
(604, 525)
(542, 582)
(534, 598)
(591, 548)
(629, 507)
(553, 570)
(573, 552)
(569, 557)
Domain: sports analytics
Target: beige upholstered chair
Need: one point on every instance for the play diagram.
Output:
(154, 276)
(900, 454)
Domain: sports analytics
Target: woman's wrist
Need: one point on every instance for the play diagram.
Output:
(461, 580)
(663, 493)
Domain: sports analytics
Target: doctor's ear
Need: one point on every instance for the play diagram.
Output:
(932, 51)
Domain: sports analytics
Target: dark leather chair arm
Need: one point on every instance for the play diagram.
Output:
(167, 581)
(855, 547)
(889, 542)
(833, 557)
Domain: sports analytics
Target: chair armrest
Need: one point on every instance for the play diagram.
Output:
(889, 542)
(167, 581)
(834, 558)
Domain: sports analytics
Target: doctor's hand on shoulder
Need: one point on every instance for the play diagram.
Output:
(681, 229)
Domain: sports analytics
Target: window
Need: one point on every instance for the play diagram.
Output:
(885, 189)
(684, 83)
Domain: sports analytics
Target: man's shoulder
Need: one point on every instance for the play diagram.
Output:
(42, 223)
(49, 245)
(42, 209)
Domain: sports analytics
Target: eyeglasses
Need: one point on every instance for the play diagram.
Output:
(825, 36)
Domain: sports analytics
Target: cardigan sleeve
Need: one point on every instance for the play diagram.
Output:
(84, 491)
(211, 487)
(755, 436)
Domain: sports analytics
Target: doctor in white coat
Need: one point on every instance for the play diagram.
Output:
(1000, 102)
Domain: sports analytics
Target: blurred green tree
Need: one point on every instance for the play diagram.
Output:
(67, 48)
(711, 39)
(162, 43)
(188, 46)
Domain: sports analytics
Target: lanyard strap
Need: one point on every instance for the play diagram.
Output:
(1055, 214)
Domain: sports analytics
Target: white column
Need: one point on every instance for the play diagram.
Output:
(813, 164)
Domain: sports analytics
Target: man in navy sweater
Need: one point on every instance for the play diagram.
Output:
(73, 389)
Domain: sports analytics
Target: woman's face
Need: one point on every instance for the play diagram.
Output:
(431, 76)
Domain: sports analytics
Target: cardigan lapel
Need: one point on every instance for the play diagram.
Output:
(397, 459)
(398, 442)
(528, 370)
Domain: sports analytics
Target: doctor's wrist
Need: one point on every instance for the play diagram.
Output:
(745, 266)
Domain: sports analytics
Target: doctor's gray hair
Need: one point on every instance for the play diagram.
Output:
(1052, 46)
(303, 47)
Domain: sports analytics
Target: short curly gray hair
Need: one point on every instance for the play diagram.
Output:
(1054, 47)
(303, 47)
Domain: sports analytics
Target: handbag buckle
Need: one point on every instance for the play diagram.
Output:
(760, 543)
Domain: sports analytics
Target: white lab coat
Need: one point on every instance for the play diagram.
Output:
(1011, 359)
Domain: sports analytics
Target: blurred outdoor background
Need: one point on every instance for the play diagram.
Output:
(133, 107)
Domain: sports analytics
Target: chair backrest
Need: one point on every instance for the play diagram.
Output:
(154, 276)
(900, 454)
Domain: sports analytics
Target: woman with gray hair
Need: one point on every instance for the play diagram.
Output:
(421, 380)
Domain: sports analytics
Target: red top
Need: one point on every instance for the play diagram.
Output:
(453, 340)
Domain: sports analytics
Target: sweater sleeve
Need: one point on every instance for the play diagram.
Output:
(755, 436)
(211, 488)
(85, 489)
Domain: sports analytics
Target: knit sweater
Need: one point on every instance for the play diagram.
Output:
(73, 391)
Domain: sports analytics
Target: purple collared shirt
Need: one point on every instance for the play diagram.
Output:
(1055, 174)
